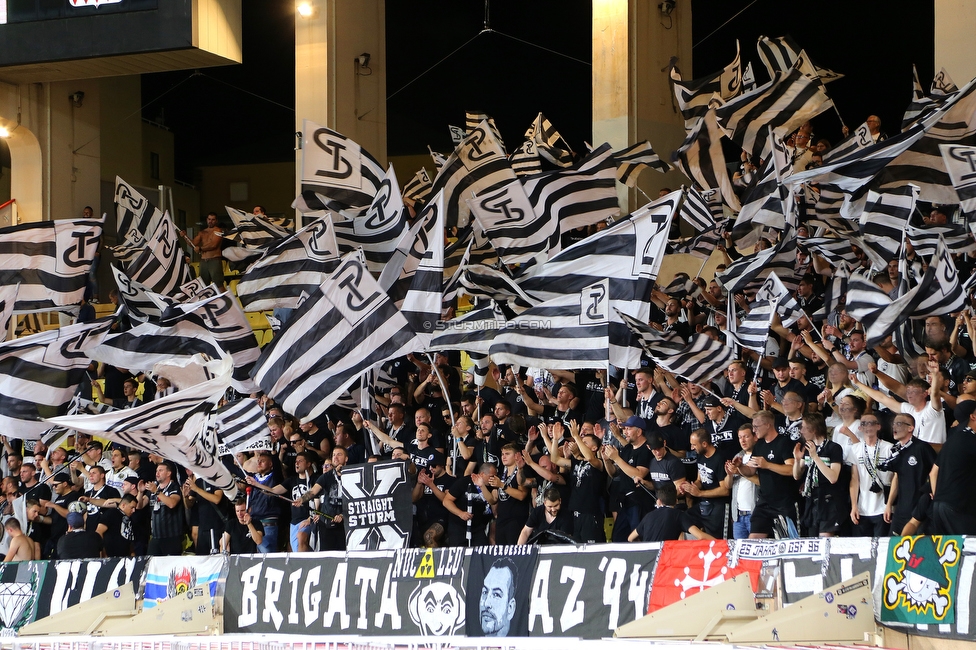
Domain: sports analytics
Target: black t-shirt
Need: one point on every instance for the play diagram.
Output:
(118, 537)
(240, 539)
(537, 521)
(297, 486)
(466, 493)
(776, 491)
(711, 473)
(331, 498)
(420, 457)
(912, 463)
(95, 513)
(79, 545)
(791, 386)
(459, 463)
(551, 415)
(666, 470)
(586, 486)
(956, 462)
(429, 507)
(508, 506)
(725, 434)
(622, 486)
(213, 516)
(674, 436)
(740, 395)
(515, 402)
(59, 525)
(831, 453)
(663, 524)
(167, 522)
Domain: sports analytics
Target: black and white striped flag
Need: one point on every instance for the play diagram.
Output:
(346, 327)
(833, 249)
(835, 292)
(922, 163)
(696, 211)
(578, 197)
(178, 427)
(752, 331)
(526, 160)
(635, 159)
(702, 159)
(774, 291)
(548, 143)
(780, 54)
(925, 240)
(8, 298)
(49, 260)
(473, 118)
(921, 104)
(241, 421)
(133, 244)
(938, 293)
(136, 214)
(161, 266)
(291, 269)
(780, 107)
(703, 245)
(479, 163)
(473, 332)
(779, 258)
(40, 374)
(252, 230)
(885, 219)
(695, 96)
(569, 331)
(135, 298)
(960, 163)
(378, 231)
(488, 283)
(859, 139)
(337, 174)
(629, 253)
(417, 188)
(699, 359)
(456, 256)
(516, 231)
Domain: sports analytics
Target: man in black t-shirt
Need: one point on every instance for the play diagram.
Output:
(166, 501)
(509, 496)
(819, 464)
(723, 425)
(429, 494)
(587, 481)
(663, 466)
(624, 466)
(78, 543)
(954, 506)
(772, 460)
(470, 510)
(295, 487)
(911, 461)
(57, 514)
(244, 535)
(329, 485)
(665, 522)
(712, 508)
(548, 516)
(212, 514)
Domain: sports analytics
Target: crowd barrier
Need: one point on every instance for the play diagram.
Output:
(921, 586)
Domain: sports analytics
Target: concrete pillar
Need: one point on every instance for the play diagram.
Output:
(632, 41)
(954, 48)
(331, 87)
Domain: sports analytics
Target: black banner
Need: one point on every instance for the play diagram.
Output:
(590, 592)
(69, 582)
(377, 506)
(19, 11)
(414, 592)
(499, 584)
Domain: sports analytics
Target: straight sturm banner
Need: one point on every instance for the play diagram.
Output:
(377, 506)
(411, 592)
(590, 592)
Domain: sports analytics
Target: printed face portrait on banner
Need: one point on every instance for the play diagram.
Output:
(498, 598)
(499, 585)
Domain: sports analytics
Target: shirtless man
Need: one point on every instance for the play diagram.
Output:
(21, 547)
(207, 243)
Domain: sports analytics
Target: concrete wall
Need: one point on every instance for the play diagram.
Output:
(270, 184)
(23, 114)
(955, 22)
(121, 117)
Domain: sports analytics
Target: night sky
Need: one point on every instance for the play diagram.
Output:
(873, 43)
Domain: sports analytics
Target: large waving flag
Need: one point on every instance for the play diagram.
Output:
(337, 174)
(161, 266)
(379, 230)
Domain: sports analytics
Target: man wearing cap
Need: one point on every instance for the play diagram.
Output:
(624, 466)
(953, 509)
(78, 543)
(868, 482)
(663, 466)
(723, 426)
(57, 510)
(911, 462)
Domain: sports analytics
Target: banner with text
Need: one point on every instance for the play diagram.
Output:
(377, 506)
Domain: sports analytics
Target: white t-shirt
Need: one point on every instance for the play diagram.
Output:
(869, 504)
(930, 424)
(844, 440)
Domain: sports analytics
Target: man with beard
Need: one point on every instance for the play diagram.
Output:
(329, 485)
(586, 483)
(624, 466)
(498, 598)
(509, 496)
(469, 508)
(647, 397)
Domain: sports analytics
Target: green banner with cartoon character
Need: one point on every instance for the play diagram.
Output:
(920, 580)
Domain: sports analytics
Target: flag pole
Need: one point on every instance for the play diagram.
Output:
(623, 401)
(440, 380)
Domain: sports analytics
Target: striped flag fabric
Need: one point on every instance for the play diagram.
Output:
(762, 202)
(774, 291)
(178, 427)
(41, 373)
(694, 97)
(859, 139)
(337, 173)
(704, 244)
(548, 143)
(938, 293)
(161, 266)
(477, 164)
(582, 196)
(696, 211)
(291, 269)
(132, 245)
(922, 162)
(346, 327)
(885, 218)
(752, 269)
(629, 253)
(960, 163)
(835, 292)
(473, 332)
(636, 158)
(526, 160)
(422, 275)
(752, 331)
(473, 118)
(457, 255)
(942, 84)
(252, 230)
(135, 213)
(518, 232)
(921, 104)
(380, 229)
(241, 421)
(417, 188)
(569, 331)
(701, 158)
(926, 240)
(8, 298)
(780, 106)
(780, 54)
(699, 359)
(484, 282)
(135, 297)
(835, 250)
(49, 260)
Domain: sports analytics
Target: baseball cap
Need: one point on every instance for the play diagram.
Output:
(61, 477)
(131, 479)
(781, 362)
(711, 400)
(437, 458)
(76, 520)
(964, 410)
(635, 421)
